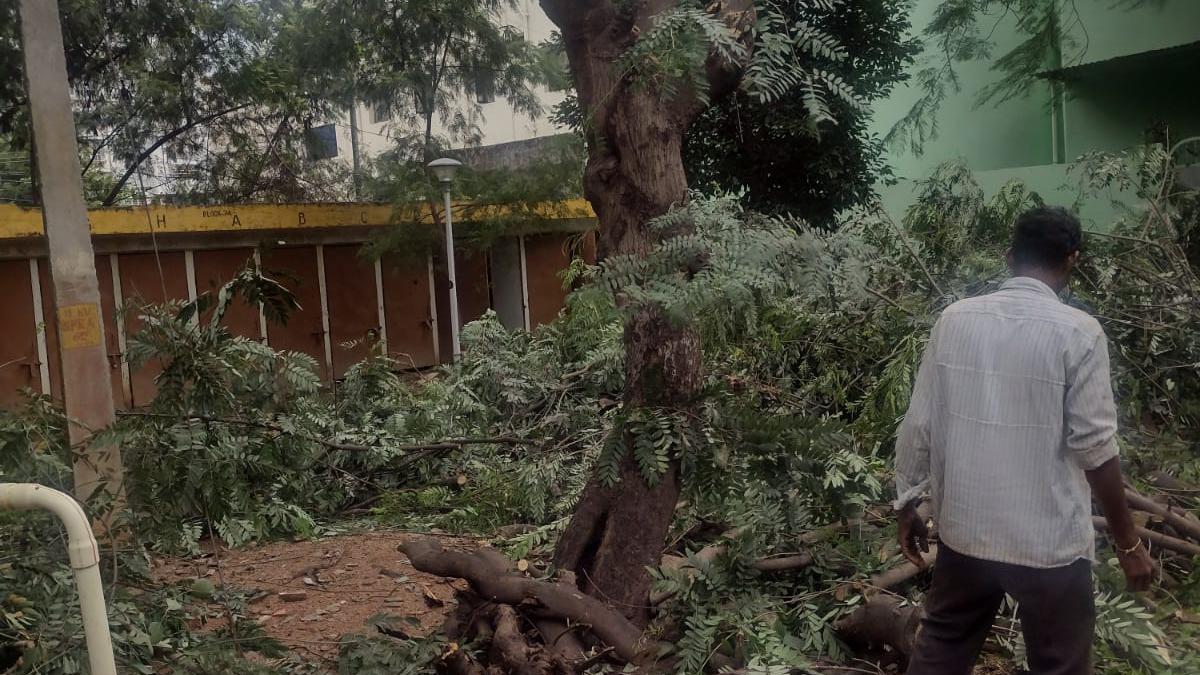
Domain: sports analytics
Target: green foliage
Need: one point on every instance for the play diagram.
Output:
(421, 61)
(810, 337)
(776, 150)
(40, 621)
(795, 131)
(671, 58)
(490, 202)
(377, 655)
(208, 80)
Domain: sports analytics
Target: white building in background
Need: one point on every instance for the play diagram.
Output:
(499, 122)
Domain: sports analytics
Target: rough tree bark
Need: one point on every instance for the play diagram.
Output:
(634, 174)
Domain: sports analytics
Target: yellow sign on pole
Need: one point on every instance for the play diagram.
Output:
(79, 326)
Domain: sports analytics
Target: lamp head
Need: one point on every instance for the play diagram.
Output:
(444, 169)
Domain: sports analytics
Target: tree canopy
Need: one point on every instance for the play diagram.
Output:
(777, 152)
(231, 87)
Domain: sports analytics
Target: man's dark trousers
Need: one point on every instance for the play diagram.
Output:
(1055, 605)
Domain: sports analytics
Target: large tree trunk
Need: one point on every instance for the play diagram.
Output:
(634, 174)
(617, 531)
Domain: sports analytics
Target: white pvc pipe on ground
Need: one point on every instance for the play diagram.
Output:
(85, 561)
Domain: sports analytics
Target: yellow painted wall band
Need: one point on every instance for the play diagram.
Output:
(20, 222)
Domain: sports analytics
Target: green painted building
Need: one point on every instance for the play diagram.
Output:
(1128, 67)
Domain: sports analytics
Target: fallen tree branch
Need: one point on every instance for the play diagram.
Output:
(882, 620)
(1156, 538)
(1183, 524)
(1165, 481)
(778, 563)
(448, 444)
(905, 572)
(492, 581)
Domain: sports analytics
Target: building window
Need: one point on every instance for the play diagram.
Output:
(485, 86)
(322, 142)
(380, 113)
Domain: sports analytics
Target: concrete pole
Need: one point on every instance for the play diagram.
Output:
(448, 221)
(85, 369)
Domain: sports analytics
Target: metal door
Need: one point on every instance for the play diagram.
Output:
(50, 327)
(409, 315)
(141, 284)
(353, 306)
(474, 294)
(545, 256)
(296, 268)
(18, 341)
(112, 342)
(214, 269)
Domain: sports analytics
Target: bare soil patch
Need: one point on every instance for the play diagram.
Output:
(309, 594)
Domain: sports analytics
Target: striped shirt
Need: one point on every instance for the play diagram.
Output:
(1012, 404)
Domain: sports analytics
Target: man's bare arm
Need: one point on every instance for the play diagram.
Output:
(1108, 489)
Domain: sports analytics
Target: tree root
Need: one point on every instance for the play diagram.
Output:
(488, 573)
(511, 651)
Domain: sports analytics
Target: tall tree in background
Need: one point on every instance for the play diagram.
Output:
(165, 75)
(643, 72)
(229, 88)
(422, 62)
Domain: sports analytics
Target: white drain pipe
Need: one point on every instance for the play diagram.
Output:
(85, 561)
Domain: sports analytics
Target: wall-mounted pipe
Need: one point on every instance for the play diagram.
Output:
(85, 561)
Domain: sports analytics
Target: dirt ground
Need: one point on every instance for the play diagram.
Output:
(309, 594)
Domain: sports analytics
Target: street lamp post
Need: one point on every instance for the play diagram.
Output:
(443, 170)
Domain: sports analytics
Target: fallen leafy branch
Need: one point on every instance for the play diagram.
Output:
(433, 446)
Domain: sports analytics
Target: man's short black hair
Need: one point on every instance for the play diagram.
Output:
(1045, 237)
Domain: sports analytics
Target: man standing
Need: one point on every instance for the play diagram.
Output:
(1011, 418)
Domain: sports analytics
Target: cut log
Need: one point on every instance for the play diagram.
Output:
(903, 573)
(882, 620)
(782, 563)
(560, 639)
(1183, 523)
(1165, 481)
(1156, 538)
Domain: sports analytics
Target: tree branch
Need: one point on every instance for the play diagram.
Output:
(429, 448)
(112, 195)
(108, 138)
(1182, 524)
(1157, 538)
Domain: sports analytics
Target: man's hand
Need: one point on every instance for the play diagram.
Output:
(1108, 487)
(1138, 567)
(914, 535)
